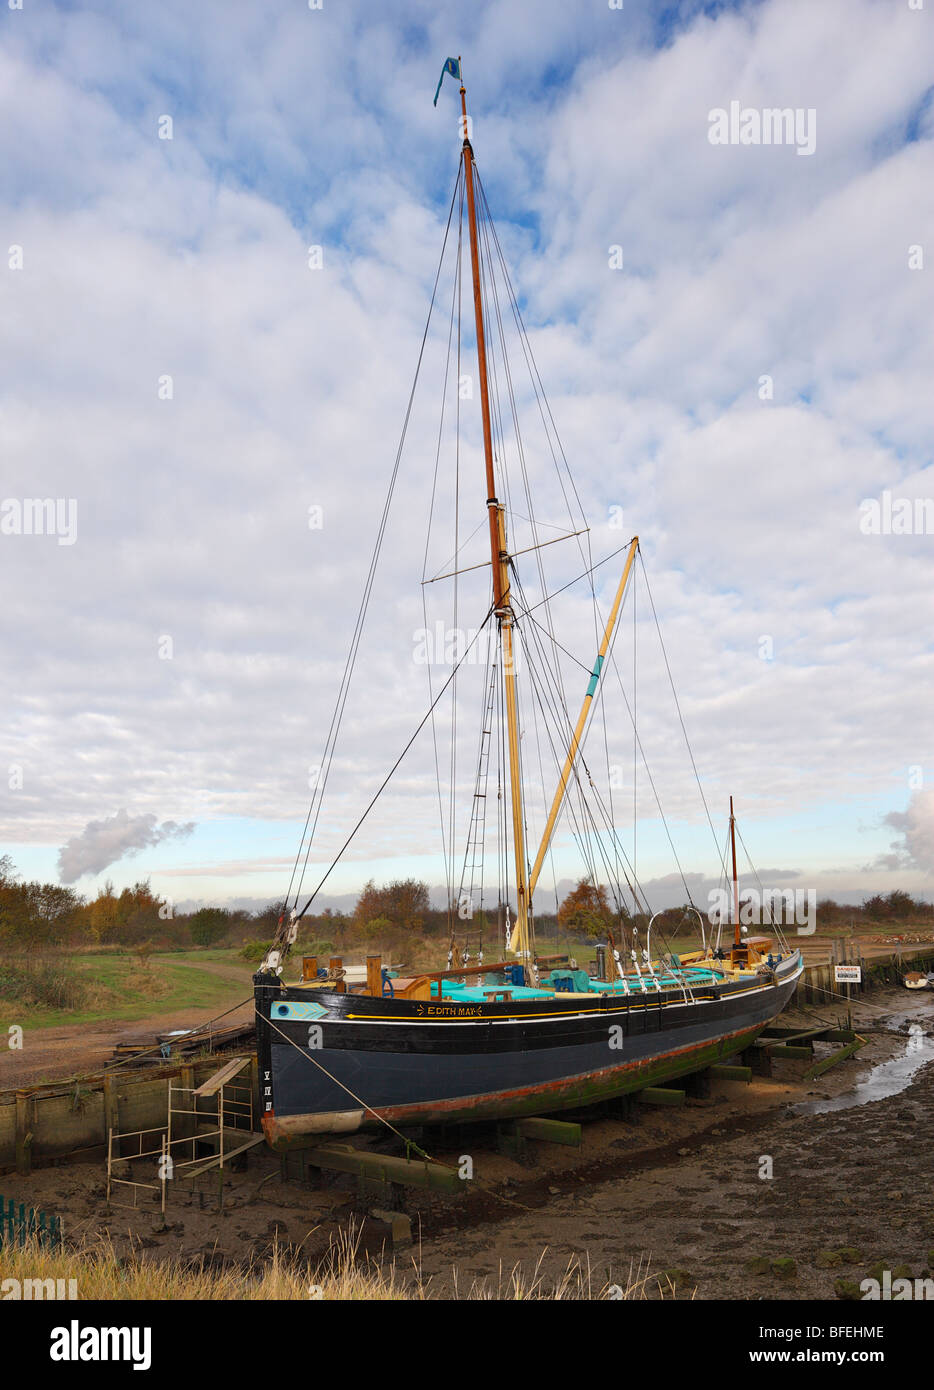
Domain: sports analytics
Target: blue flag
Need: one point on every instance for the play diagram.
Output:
(453, 66)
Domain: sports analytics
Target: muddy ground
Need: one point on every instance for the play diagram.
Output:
(671, 1190)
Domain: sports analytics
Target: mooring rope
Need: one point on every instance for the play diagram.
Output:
(135, 1056)
(409, 1143)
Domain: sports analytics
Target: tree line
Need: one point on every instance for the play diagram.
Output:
(391, 916)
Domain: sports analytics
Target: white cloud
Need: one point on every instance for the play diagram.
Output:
(145, 257)
(101, 843)
(915, 828)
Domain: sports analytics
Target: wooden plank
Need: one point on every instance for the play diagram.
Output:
(820, 1067)
(470, 970)
(790, 1035)
(659, 1095)
(381, 1168)
(220, 1078)
(202, 1165)
(550, 1131)
(721, 1072)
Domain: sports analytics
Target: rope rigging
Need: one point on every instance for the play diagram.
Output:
(314, 809)
(542, 703)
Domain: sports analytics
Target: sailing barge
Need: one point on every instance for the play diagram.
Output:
(524, 1035)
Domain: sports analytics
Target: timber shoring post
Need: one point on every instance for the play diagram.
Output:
(758, 1060)
(110, 1104)
(624, 1108)
(189, 1125)
(697, 1084)
(511, 1142)
(24, 1136)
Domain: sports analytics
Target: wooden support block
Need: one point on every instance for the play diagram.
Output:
(400, 1225)
(790, 1035)
(622, 1108)
(758, 1059)
(697, 1085)
(728, 1073)
(342, 1158)
(820, 1067)
(511, 1141)
(551, 1131)
(659, 1095)
(373, 1189)
(790, 1053)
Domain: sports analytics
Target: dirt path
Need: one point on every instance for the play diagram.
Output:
(79, 1048)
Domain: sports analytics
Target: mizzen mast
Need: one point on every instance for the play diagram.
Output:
(739, 952)
(502, 601)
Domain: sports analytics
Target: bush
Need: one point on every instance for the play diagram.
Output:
(209, 925)
(253, 951)
(314, 948)
(41, 984)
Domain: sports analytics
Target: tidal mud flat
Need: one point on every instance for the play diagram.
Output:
(683, 1192)
(797, 1191)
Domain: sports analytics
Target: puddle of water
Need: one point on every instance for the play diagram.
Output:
(886, 1079)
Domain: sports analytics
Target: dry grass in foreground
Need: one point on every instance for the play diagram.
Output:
(100, 1274)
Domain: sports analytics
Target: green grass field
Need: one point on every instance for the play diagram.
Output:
(118, 987)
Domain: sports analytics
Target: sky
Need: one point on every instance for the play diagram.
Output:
(735, 339)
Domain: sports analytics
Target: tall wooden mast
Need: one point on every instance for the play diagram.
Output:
(502, 601)
(739, 950)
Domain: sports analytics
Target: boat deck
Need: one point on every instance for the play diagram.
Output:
(691, 976)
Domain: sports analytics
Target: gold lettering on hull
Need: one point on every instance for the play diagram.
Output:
(449, 1010)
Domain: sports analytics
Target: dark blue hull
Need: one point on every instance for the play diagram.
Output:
(343, 1062)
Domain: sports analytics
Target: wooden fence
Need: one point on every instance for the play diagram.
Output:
(19, 1225)
(818, 985)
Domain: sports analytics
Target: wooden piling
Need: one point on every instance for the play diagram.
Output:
(24, 1135)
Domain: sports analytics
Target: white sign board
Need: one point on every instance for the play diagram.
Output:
(847, 974)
